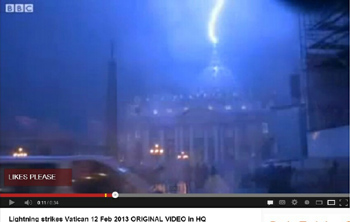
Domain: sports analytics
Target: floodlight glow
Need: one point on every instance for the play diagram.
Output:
(213, 19)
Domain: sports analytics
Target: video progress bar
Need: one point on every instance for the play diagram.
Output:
(87, 195)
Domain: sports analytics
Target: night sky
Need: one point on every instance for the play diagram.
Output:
(54, 61)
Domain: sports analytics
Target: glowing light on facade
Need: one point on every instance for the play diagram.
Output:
(213, 19)
(228, 107)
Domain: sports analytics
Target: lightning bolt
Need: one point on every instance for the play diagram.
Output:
(213, 19)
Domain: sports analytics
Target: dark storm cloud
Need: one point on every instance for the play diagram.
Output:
(54, 61)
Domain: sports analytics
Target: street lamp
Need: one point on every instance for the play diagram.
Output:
(20, 153)
(157, 150)
(183, 156)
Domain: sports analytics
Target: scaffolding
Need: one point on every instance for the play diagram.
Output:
(324, 38)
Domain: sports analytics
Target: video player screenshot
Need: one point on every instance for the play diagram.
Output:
(174, 110)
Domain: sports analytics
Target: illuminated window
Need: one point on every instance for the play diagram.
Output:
(265, 128)
(228, 107)
(137, 134)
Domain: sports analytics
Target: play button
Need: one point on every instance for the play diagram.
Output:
(11, 202)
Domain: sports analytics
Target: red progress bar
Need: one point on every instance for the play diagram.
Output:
(55, 195)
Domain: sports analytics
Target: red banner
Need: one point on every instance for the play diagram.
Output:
(37, 177)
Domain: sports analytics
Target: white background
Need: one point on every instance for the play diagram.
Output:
(212, 215)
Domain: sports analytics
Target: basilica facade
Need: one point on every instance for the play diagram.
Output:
(216, 128)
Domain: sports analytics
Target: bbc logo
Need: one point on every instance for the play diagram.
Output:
(19, 8)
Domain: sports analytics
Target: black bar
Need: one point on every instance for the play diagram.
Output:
(175, 202)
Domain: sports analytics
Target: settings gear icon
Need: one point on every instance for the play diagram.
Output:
(294, 202)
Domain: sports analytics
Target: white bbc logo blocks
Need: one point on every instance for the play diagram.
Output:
(19, 8)
(9, 8)
(28, 8)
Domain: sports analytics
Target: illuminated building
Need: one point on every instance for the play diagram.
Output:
(216, 124)
(210, 126)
